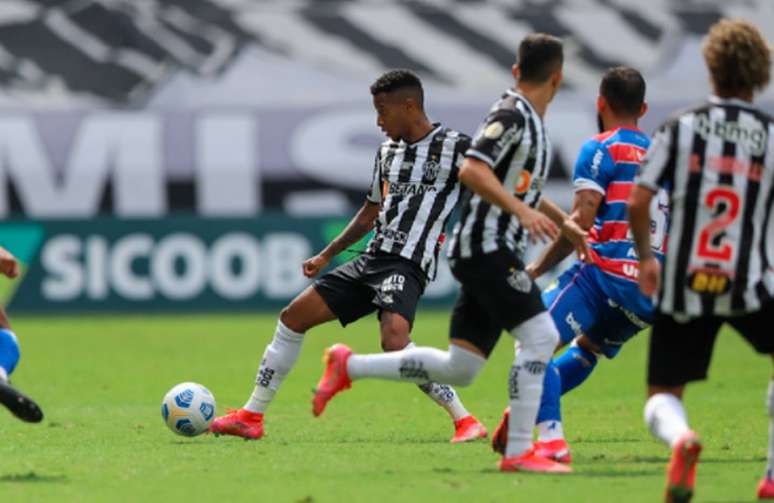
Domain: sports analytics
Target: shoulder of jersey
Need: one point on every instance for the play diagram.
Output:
(674, 117)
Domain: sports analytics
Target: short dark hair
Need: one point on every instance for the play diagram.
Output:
(624, 90)
(399, 79)
(539, 56)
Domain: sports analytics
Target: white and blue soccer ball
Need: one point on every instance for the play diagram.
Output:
(188, 409)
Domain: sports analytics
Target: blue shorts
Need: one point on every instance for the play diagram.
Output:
(580, 306)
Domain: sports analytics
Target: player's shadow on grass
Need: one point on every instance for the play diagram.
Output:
(664, 460)
(576, 473)
(30, 477)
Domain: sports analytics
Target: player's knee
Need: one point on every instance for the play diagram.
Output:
(393, 341)
(463, 366)
(588, 345)
(288, 318)
(538, 335)
(9, 350)
(395, 331)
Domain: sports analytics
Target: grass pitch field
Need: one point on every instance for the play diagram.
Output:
(100, 381)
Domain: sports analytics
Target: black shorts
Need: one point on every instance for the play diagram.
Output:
(496, 295)
(373, 282)
(681, 352)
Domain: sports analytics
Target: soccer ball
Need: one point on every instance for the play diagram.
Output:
(188, 409)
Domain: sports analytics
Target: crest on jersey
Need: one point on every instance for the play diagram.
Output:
(520, 281)
(494, 130)
(430, 170)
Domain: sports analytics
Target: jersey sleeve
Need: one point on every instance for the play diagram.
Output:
(655, 168)
(500, 130)
(593, 168)
(375, 193)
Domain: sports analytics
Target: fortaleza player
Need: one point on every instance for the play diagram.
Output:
(414, 190)
(505, 170)
(598, 307)
(14, 400)
(717, 162)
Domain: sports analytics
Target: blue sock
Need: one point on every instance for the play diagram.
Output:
(550, 409)
(575, 366)
(9, 350)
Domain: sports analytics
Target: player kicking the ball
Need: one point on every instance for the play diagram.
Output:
(597, 307)
(414, 190)
(505, 170)
(716, 160)
(14, 400)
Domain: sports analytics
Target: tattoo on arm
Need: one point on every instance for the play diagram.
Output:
(360, 225)
(585, 207)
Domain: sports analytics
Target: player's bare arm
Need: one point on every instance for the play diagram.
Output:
(584, 210)
(568, 225)
(639, 224)
(9, 266)
(479, 178)
(360, 225)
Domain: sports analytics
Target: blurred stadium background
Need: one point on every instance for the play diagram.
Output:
(189, 154)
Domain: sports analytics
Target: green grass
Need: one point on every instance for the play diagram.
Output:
(100, 381)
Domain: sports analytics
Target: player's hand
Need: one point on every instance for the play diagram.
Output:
(650, 276)
(575, 234)
(531, 269)
(314, 265)
(540, 227)
(9, 266)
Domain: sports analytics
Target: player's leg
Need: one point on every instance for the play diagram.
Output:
(421, 365)
(304, 312)
(678, 353)
(395, 330)
(507, 295)
(574, 306)
(756, 328)
(14, 400)
(336, 295)
(611, 326)
(9, 348)
(766, 485)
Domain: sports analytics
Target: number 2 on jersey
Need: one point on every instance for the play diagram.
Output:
(724, 204)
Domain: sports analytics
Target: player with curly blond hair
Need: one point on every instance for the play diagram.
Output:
(716, 161)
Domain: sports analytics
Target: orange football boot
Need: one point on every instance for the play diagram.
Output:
(334, 379)
(556, 449)
(239, 423)
(467, 429)
(681, 473)
(531, 462)
(766, 489)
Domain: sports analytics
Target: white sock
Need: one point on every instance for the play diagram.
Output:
(550, 430)
(770, 404)
(443, 395)
(3, 375)
(537, 337)
(280, 356)
(665, 416)
(525, 387)
(419, 365)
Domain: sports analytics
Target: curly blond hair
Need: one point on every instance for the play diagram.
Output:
(738, 57)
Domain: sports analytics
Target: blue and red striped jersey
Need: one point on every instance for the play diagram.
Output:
(608, 164)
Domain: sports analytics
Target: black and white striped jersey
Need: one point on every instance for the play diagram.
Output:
(513, 142)
(417, 186)
(717, 163)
